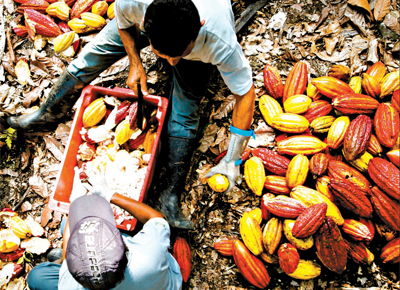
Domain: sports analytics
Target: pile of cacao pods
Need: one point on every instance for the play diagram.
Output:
(62, 21)
(332, 180)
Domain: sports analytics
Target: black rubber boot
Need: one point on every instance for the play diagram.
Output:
(58, 103)
(177, 162)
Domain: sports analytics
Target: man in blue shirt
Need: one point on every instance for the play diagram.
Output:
(193, 36)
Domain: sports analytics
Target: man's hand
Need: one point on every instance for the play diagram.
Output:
(137, 75)
(227, 168)
(97, 179)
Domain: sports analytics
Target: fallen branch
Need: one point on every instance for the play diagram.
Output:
(248, 13)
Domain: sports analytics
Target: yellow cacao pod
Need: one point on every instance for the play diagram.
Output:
(362, 163)
(290, 123)
(322, 124)
(311, 197)
(9, 242)
(321, 185)
(300, 144)
(251, 233)
(272, 235)
(268, 258)
(218, 182)
(297, 171)
(312, 92)
(94, 113)
(100, 8)
(355, 84)
(59, 10)
(301, 244)
(123, 132)
(149, 141)
(254, 174)
(269, 108)
(297, 104)
(390, 83)
(256, 214)
(111, 152)
(337, 132)
(79, 26)
(110, 11)
(63, 41)
(93, 20)
(306, 270)
(20, 227)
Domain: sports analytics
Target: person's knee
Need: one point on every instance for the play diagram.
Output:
(44, 276)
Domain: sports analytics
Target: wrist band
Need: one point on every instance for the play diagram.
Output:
(246, 133)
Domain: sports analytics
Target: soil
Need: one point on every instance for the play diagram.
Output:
(215, 215)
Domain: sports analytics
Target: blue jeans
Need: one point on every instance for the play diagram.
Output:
(190, 78)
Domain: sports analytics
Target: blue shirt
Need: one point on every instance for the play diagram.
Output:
(150, 265)
(216, 43)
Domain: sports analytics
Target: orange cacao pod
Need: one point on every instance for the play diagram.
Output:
(288, 258)
(340, 72)
(357, 137)
(387, 125)
(81, 6)
(319, 164)
(395, 102)
(252, 268)
(331, 248)
(340, 170)
(272, 235)
(270, 259)
(394, 156)
(284, 206)
(272, 161)
(265, 214)
(337, 132)
(390, 253)
(386, 176)
(359, 253)
(349, 104)
(374, 147)
(276, 184)
(317, 109)
(370, 225)
(386, 208)
(272, 82)
(371, 86)
(377, 71)
(350, 197)
(296, 81)
(390, 83)
(331, 87)
(308, 222)
(182, 254)
(356, 230)
(224, 246)
(300, 144)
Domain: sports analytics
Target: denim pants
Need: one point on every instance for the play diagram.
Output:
(190, 78)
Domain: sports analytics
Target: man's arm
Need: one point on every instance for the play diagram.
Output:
(243, 111)
(142, 212)
(137, 74)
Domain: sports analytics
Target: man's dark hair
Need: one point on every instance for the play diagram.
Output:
(171, 25)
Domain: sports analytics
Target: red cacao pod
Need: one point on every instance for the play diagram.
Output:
(386, 208)
(308, 222)
(385, 175)
(387, 125)
(225, 246)
(272, 161)
(319, 164)
(340, 170)
(349, 104)
(390, 253)
(289, 258)
(357, 137)
(317, 109)
(272, 82)
(182, 254)
(296, 81)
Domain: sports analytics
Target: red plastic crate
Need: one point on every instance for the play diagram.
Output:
(59, 199)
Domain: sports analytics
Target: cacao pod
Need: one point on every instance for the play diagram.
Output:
(394, 156)
(110, 11)
(340, 72)
(318, 108)
(284, 206)
(297, 104)
(265, 214)
(331, 87)
(218, 182)
(308, 222)
(337, 132)
(312, 92)
(9, 242)
(296, 81)
(386, 176)
(272, 82)
(355, 84)
(386, 208)
(269, 108)
(300, 144)
(340, 170)
(395, 102)
(371, 86)
(254, 174)
(356, 230)
(297, 171)
(256, 214)
(306, 270)
(20, 227)
(182, 254)
(123, 132)
(374, 147)
(390, 253)
(276, 184)
(288, 258)
(270, 259)
(63, 41)
(100, 8)
(318, 164)
(272, 161)
(322, 187)
(94, 113)
(301, 244)
(93, 20)
(357, 137)
(251, 233)
(322, 124)
(359, 253)
(350, 104)
(224, 246)
(272, 235)
(291, 123)
(387, 125)
(390, 83)
(361, 163)
(377, 71)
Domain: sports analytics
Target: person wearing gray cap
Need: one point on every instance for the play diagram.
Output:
(97, 256)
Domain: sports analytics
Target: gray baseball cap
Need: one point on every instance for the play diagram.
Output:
(95, 247)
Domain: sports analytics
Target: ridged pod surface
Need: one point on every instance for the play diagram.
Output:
(386, 208)
(272, 235)
(306, 270)
(331, 87)
(296, 81)
(357, 137)
(395, 101)
(390, 253)
(331, 247)
(300, 144)
(319, 164)
(351, 104)
(81, 6)
(340, 170)
(394, 156)
(359, 253)
(337, 132)
(362, 162)
(390, 83)
(276, 184)
(42, 24)
(38, 5)
(322, 124)
(251, 233)
(377, 71)
(322, 186)
(254, 174)
(288, 258)
(386, 176)
(182, 254)
(371, 86)
(297, 104)
(272, 161)
(272, 82)
(374, 147)
(301, 244)
(63, 41)
(224, 246)
(290, 123)
(94, 113)
(356, 230)
(297, 171)
(339, 71)
(387, 125)
(312, 92)
(308, 222)
(269, 108)
(355, 84)
(252, 268)
(311, 197)
(318, 108)
(284, 206)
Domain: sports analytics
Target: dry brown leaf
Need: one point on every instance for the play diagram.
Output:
(372, 49)
(226, 107)
(39, 186)
(46, 215)
(330, 44)
(202, 172)
(54, 146)
(116, 67)
(16, 284)
(23, 72)
(363, 4)
(25, 158)
(392, 23)
(221, 135)
(208, 137)
(31, 97)
(381, 9)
